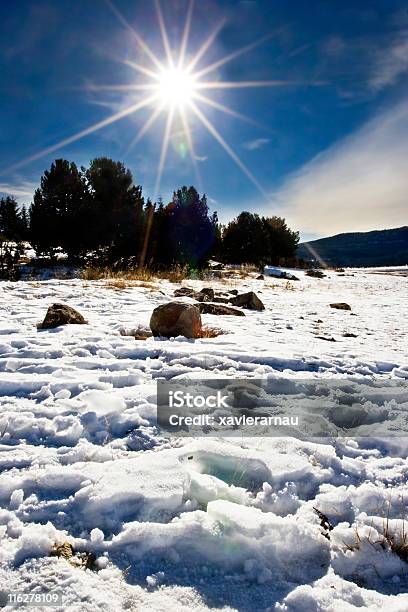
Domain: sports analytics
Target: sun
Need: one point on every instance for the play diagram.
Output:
(176, 87)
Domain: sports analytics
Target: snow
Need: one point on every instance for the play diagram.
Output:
(197, 524)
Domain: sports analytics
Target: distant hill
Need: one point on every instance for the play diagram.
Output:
(377, 248)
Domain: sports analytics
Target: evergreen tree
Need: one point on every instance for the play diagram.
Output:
(190, 231)
(245, 240)
(282, 241)
(13, 222)
(258, 240)
(60, 212)
(118, 208)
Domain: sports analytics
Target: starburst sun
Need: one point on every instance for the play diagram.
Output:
(174, 86)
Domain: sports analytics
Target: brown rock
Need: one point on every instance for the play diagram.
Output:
(219, 309)
(248, 300)
(61, 314)
(208, 291)
(176, 319)
(184, 291)
(341, 306)
(315, 273)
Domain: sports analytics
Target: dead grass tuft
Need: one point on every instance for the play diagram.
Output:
(83, 560)
(174, 274)
(210, 332)
(391, 540)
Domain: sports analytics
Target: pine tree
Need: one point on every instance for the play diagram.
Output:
(60, 212)
(118, 209)
(190, 231)
(12, 220)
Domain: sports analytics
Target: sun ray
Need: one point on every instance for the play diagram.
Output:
(137, 36)
(146, 126)
(141, 87)
(233, 55)
(214, 132)
(205, 46)
(163, 31)
(226, 109)
(89, 130)
(189, 137)
(186, 32)
(243, 84)
(163, 153)
(139, 68)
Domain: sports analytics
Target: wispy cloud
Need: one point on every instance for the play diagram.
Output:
(391, 63)
(21, 191)
(253, 145)
(360, 183)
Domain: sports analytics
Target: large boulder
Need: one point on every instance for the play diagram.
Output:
(61, 314)
(176, 319)
(218, 309)
(248, 300)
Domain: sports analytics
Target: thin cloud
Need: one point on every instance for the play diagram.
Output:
(21, 191)
(391, 64)
(360, 183)
(258, 143)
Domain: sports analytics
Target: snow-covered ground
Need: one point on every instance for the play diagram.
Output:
(173, 523)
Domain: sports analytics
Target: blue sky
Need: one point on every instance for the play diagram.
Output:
(328, 145)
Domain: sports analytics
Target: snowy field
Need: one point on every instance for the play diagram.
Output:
(174, 524)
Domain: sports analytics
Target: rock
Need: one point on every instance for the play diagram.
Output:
(184, 291)
(208, 292)
(218, 309)
(315, 273)
(341, 306)
(233, 291)
(248, 300)
(176, 319)
(205, 295)
(61, 314)
(260, 277)
(221, 300)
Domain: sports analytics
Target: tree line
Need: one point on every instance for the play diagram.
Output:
(99, 214)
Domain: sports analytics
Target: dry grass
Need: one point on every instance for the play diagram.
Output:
(394, 541)
(174, 274)
(118, 284)
(210, 332)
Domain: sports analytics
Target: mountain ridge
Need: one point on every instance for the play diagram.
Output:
(387, 247)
